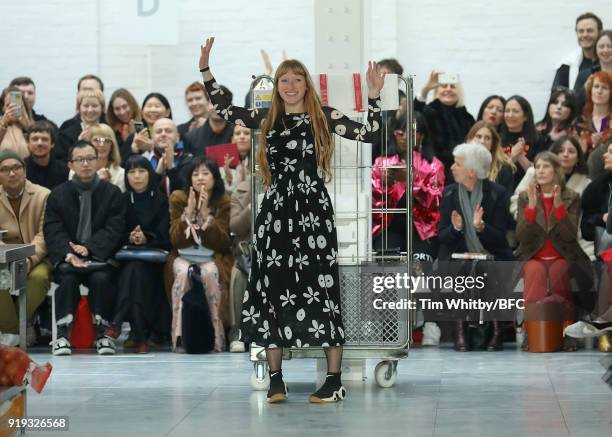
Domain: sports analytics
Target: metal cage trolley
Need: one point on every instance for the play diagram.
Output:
(369, 334)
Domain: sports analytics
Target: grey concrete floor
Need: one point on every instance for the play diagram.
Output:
(438, 392)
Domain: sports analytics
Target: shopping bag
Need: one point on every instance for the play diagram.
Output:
(83, 332)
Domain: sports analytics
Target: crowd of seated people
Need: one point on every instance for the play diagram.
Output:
(128, 175)
(537, 175)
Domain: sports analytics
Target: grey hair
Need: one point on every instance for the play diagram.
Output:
(477, 157)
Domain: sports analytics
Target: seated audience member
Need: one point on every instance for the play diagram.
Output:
(84, 221)
(88, 82)
(587, 28)
(90, 107)
(141, 291)
(15, 119)
(121, 114)
(197, 103)
(199, 233)
(41, 166)
(603, 56)
(561, 111)
(573, 164)
(22, 208)
(502, 167)
(155, 106)
(447, 118)
(593, 127)
(519, 138)
(389, 192)
(492, 111)
(595, 210)
(109, 161)
(168, 156)
(547, 232)
(28, 88)
(474, 218)
(240, 225)
(233, 176)
(214, 131)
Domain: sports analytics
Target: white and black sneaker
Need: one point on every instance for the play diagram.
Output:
(331, 391)
(278, 389)
(105, 346)
(61, 346)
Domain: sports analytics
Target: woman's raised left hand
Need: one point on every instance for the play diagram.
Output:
(375, 80)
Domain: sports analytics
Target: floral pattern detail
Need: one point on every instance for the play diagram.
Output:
(293, 296)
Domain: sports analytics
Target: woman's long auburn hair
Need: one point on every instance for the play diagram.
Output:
(324, 146)
(498, 155)
(604, 77)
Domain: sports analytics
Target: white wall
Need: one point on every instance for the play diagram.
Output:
(497, 47)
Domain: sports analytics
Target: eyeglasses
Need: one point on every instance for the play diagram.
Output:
(102, 140)
(86, 159)
(14, 169)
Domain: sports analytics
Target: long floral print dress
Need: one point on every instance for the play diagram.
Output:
(293, 295)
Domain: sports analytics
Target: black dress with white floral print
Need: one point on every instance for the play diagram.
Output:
(293, 296)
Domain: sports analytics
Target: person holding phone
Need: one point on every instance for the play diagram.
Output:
(155, 106)
(123, 115)
(15, 119)
(448, 119)
(547, 232)
(293, 297)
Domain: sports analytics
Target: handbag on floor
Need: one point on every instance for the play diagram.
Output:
(198, 333)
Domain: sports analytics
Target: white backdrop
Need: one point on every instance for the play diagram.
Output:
(496, 47)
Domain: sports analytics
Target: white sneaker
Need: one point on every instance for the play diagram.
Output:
(585, 330)
(61, 346)
(237, 346)
(105, 346)
(431, 334)
(11, 340)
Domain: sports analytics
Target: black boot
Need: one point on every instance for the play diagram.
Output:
(332, 390)
(278, 389)
(496, 343)
(460, 343)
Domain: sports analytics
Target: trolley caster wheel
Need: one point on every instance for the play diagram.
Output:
(385, 373)
(260, 378)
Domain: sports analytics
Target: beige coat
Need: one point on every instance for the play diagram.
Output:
(29, 226)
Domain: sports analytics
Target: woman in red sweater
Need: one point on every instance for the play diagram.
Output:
(547, 231)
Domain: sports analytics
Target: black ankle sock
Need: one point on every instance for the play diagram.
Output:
(334, 377)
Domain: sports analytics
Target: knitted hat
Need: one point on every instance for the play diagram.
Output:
(11, 154)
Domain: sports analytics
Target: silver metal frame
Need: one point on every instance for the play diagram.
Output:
(389, 355)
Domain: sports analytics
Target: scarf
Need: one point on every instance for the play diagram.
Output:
(469, 204)
(85, 190)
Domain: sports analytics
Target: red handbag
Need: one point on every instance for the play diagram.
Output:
(83, 332)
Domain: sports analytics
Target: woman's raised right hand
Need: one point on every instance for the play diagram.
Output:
(142, 140)
(191, 204)
(205, 52)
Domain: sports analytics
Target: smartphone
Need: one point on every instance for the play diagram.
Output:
(138, 125)
(16, 98)
(448, 78)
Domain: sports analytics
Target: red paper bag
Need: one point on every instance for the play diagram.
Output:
(83, 332)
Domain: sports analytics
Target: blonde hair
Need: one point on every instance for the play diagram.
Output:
(499, 157)
(324, 146)
(96, 94)
(114, 157)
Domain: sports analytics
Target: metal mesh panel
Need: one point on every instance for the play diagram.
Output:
(364, 325)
